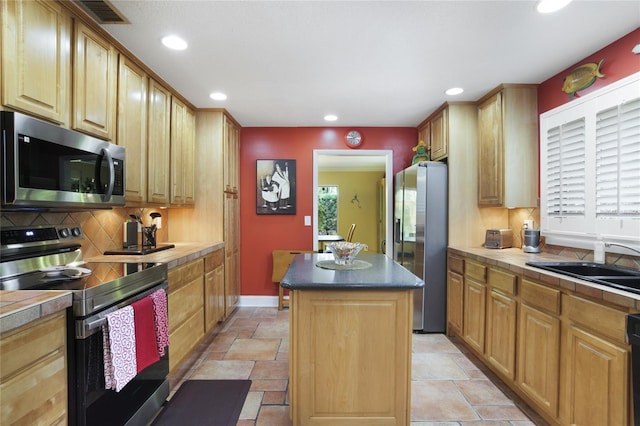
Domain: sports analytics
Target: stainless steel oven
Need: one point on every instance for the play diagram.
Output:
(50, 258)
(48, 167)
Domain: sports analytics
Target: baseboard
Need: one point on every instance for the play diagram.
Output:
(259, 301)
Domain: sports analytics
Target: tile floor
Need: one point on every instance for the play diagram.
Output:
(448, 387)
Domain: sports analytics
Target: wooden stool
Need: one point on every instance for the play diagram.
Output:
(281, 261)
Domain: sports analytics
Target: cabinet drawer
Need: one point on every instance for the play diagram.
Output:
(540, 296)
(456, 264)
(32, 342)
(603, 320)
(213, 260)
(182, 275)
(184, 302)
(475, 270)
(503, 281)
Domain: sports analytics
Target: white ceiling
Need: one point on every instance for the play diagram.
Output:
(372, 63)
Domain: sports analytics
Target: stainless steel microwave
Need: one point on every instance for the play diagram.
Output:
(46, 167)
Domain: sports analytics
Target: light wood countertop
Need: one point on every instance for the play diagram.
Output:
(20, 307)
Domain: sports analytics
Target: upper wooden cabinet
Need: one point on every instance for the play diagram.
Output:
(508, 147)
(182, 154)
(434, 131)
(132, 127)
(94, 84)
(159, 143)
(439, 134)
(36, 58)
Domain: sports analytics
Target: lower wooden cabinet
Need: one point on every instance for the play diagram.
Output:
(33, 373)
(186, 310)
(500, 345)
(539, 345)
(214, 303)
(475, 295)
(564, 354)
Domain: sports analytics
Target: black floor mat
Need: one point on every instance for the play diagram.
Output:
(205, 403)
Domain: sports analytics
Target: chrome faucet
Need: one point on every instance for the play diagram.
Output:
(623, 246)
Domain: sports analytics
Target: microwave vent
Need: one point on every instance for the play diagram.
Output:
(103, 11)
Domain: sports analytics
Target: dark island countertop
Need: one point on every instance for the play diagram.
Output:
(384, 273)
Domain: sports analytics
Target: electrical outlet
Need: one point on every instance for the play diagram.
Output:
(528, 224)
(307, 221)
(158, 223)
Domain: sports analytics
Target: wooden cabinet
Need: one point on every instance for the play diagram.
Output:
(159, 143)
(439, 134)
(182, 154)
(214, 289)
(33, 373)
(455, 295)
(132, 127)
(434, 131)
(340, 372)
(539, 345)
(500, 344)
(508, 147)
(36, 58)
(94, 84)
(231, 155)
(595, 365)
(186, 310)
(475, 296)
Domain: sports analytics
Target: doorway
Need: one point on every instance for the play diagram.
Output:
(324, 160)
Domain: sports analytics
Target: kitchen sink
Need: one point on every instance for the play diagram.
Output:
(609, 275)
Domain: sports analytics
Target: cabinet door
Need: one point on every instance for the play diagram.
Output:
(36, 58)
(596, 380)
(94, 84)
(231, 214)
(182, 154)
(132, 127)
(214, 291)
(475, 295)
(439, 135)
(159, 139)
(501, 333)
(424, 134)
(539, 357)
(455, 290)
(490, 152)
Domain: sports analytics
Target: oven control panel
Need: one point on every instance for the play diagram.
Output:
(39, 235)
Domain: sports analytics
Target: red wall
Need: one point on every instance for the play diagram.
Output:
(618, 63)
(260, 234)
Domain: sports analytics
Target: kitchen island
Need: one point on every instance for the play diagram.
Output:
(350, 337)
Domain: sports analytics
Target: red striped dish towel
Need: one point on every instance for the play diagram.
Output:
(119, 349)
(161, 319)
(146, 348)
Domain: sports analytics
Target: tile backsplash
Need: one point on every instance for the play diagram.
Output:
(102, 228)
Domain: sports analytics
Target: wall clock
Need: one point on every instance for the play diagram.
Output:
(353, 139)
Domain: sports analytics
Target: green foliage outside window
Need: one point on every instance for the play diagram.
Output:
(327, 210)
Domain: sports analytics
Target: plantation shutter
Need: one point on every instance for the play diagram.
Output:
(566, 169)
(618, 161)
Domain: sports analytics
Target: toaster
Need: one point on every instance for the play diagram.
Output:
(498, 238)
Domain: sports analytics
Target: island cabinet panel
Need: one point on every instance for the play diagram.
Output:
(351, 357)
(33, 373)
(36, 58)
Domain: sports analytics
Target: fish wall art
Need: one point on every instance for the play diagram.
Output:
(581, 78)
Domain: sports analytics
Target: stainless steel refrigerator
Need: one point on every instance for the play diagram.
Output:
(420, 214)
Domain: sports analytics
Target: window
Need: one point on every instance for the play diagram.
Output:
(328, 210)
(590, 168)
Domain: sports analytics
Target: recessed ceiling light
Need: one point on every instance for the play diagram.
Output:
(174, 43)
(549, 6)
(454, 91)
(218, 96)
(330, 117)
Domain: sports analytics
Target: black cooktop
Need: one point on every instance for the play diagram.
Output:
(137, 250)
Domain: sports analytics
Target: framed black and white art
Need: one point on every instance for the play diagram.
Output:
(276, 187)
